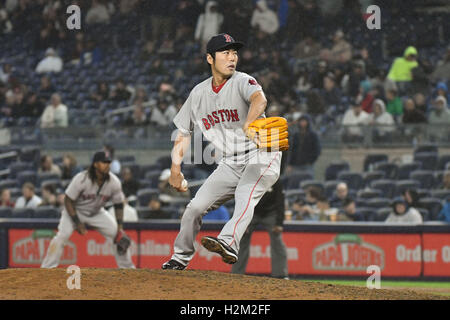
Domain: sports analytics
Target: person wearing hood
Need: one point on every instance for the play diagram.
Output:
(442, 90)
(208, 23)
(305, 149)
(402, 213)
(439, 118)
(264, 19)
(383, 120)
(401, 69)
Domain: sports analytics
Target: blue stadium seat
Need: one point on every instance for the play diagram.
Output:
(370, 176)
(429, 160)
(165, 161)
(369, 193)
(47, 212)
(426, 148)
(9, 183)
(404, 170)
(387, 187)
(17, 167)
(333, 169)
(56, 183)
(330, 187)
(433, 205)
(354, 180)
(44, 176)
(308, 183)
(27, 176)
(296, 178)
(366, 213)
(381, 214)
(424, 213)
(390, 169)
(425, 178)
(441, 194)
(30, 154)
(378, 203)
(5, 212)
(371, 159)
(402, 185)
(22, 213)
(145, 195)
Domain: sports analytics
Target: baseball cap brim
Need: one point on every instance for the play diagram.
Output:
(235, 45)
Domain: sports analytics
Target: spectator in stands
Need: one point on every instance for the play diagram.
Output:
(208, 24)
(167, 193)
(402, 214)
(130, 185)
(421, 102)
(341, 52)
(442, 69)
(5, 73)
(306, 210)
(339, 196)
(352, 82)
(55, 115)
(324, 212)
(155, 205)
(101, 93)
(187, 13)
(129, 213)
(365, 96)
(442, 90)
(264, 19)
(5, 24)
(348, 211)
(148, 51)
(445, 181)
(307, 48)
(157, 68)
(49, 196)
(331, 93)
(69, 166)
(383, 121)
(394, 103)
(92, 53)
(305, 148)
(33, 107)
(28, 198)
(444, 214)
(439, 118)
(401, 69)
(412, 198)
(411, 115)
(120, 92)
(353, 120)
(51, 63)
(220, 214)
(164, 113)
(318, 76)
(5, 198)
(99, 12)
(47, 166)
(138, 117)
(46, 89)
(115, 163)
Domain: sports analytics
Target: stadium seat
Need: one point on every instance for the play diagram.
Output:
(428, 160)
(308, 183)
(426, 148)
(5, 212)
(30, 154)
(424, 213)
(145, 195)
(56, 183)
(366, 213)
(387, 187)
(27, 176)
(369, 193)
(402, 185)
(149, 167)
(423, 193)
(127, 158)
(44, 176)
(443, 161)
(370, 176)
(334, 168)
(296, 178)
(354, 180)
(425, 178)
(145, 213)
(405, 170)
(18, 167)
(22, 213)
(433, 205)
(371, 159)
(381, 214)
(134, 167)
(165, 161)
(441, 194)
(48, 212)
(330, 187)
(378, 203)
(9, 183)
(390, 169)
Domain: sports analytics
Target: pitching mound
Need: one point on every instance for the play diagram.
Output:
(146, 284)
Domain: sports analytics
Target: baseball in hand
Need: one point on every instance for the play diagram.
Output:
(184, 184)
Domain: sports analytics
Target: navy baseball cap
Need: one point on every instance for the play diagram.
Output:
(221, 42)
(101, 156)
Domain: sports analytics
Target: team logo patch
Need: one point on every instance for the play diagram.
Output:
(228, 38)
(252, 82)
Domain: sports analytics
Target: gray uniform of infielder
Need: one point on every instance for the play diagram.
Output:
(244, 172)
(90, 199)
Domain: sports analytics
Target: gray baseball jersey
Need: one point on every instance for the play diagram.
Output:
(245, 172)
(220, 116)
(89, 197)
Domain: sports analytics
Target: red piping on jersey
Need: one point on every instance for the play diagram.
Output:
(251, 193)
(216, 89)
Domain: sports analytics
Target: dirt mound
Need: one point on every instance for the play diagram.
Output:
(178, 285)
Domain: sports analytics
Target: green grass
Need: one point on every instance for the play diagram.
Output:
(391, 283)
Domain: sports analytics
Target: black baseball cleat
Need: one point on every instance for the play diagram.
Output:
(173, 265)
(218, 246)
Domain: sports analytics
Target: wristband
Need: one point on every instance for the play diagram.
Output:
(75, 219)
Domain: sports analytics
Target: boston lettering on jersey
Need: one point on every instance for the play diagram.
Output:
(221, 115)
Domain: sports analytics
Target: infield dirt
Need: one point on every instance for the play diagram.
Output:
(145, 284)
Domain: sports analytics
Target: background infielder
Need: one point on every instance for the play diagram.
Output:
(223, 107)
(84, 202)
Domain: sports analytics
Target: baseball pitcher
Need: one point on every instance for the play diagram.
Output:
(229, 109)
(84, 202)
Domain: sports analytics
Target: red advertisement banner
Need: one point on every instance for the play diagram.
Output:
(27, 248)
(436, 254)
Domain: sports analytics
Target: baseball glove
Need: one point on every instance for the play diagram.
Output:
(122, 241)
(269, 133)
